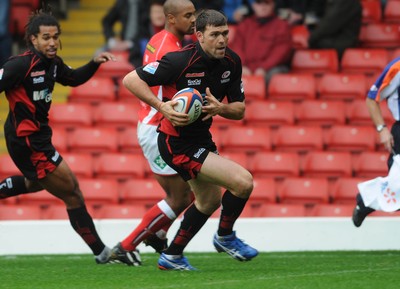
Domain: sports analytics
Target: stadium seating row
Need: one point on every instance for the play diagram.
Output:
(274, 164)
(272, 113)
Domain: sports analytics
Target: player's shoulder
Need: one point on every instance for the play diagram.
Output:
(232, 56)
(20, 62)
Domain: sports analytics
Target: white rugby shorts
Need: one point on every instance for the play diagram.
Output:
(147, 136)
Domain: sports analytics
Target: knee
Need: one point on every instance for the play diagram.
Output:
(245, 186)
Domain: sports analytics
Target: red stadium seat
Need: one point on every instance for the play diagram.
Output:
(115, 69)
(351, 138)
(238, 157)
(371, 165)
(292, 87)
(7, 167)
(298, 138)
(128, 141)
(332, 210)
(124, 95)
(121, 211)
(315, 61)
(81, 164)
(344, 190)
(99, 192)
(59, 139)
(120, 166)
(221, 122)
(380, 35)
(96, 90)
(307, 191)
(19, 15)
(320, 112)
(118, 115)
(59, 212)
(254, 87)
(327, 164)
(282, 210)
(340, 86)
(145, 192)
(93, 140)
(269, 113)
(371, 11)
(19, 212)
(275, 165)
(264, 191)
(300, 35)
(357, 113)
(246, 139)
(32, 4)
(364, 60)
(42, 198)
(70, 115)
(391, 13)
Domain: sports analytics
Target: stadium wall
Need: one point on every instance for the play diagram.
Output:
(265, 234)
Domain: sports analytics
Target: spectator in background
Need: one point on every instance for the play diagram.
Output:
(263, 41)
(297, 12)
(5, 37)
(338, 27)
(236, 10)
(126, 12)
(151, 23)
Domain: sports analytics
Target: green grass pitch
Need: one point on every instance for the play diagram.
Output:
(297, 270)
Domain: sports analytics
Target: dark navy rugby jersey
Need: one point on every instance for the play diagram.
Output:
(191, 67)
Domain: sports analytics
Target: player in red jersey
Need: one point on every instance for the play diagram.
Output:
(180, 18)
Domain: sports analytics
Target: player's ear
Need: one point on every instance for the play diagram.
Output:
(199, 36)
(171, 18)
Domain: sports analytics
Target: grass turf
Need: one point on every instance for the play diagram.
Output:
(298, 270)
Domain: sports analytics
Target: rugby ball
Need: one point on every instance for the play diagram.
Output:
(189, 101)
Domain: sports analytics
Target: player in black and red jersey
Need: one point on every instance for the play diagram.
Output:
(214, 70)
(28, 81)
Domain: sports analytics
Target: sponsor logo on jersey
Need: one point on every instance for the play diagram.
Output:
(42, 94)
(55, 157)
(199, 152)
(225, 80)
(150, 48)
(194, 82)
(199, 74)
(226, 74)
(37, 80)
(151, 67)
(1, 73)
(160, 162)
(38, 73)
(55, 71)
(241, 87)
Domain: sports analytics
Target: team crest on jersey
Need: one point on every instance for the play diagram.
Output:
(150, 48)
(1, 73)
(151, 67)
(226, 74)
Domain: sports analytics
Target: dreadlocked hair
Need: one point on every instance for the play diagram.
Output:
(40, 17)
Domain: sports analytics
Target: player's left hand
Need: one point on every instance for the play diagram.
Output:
(104, 57)
(212, 106)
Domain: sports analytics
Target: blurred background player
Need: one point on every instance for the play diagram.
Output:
(386, 87)
(28, 81)
(180, 19)
(261, 55)
(215, 70)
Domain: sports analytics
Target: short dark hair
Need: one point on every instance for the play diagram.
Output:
(210, 17)
(42, 17)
